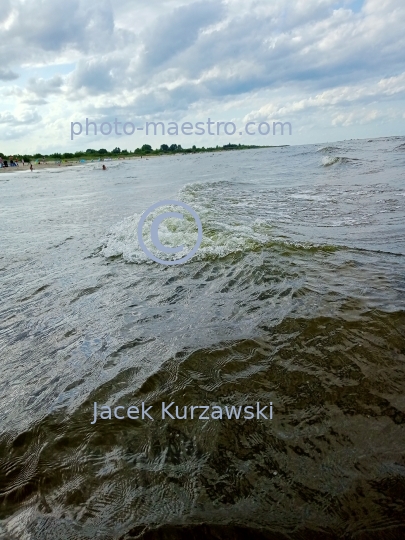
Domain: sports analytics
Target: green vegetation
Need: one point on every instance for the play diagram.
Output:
(116, 153)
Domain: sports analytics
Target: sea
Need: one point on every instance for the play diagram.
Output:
(295, 297)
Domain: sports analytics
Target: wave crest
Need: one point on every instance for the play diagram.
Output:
(327, 161)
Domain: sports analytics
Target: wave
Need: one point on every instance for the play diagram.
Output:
(327, 161)
(220, 239)
(241, 218)
(326, 149)
(231, 225)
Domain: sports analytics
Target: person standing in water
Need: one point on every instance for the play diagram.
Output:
(104, 168)
(31, 167)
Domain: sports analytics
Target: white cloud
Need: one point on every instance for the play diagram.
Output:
(341, 95)
(360, 116)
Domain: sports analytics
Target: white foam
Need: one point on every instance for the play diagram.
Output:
(222, 234)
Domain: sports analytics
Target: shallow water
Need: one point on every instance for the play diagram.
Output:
(296, 297)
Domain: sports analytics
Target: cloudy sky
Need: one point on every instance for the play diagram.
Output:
(334, 69)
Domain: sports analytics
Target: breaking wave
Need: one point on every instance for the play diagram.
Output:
(237, 218)
(328, 161)
(231, 223)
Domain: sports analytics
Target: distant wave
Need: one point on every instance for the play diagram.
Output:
(327, 161)
(327, 149)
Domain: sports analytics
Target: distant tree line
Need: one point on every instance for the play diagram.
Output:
(145, 150)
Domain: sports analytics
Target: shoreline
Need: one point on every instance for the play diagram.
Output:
(53, 165)
(43, 166)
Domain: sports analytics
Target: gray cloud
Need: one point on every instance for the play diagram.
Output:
(8, 75)
(26, 117)
(97, 76)
(44, 87)
(42, 29)
(173, 33)
(34, 101)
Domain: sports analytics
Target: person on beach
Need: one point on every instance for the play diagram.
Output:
(31, 167)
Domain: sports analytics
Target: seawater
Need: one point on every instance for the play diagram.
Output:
(295, 297)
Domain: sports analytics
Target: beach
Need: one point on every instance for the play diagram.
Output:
(36, 166)
(293, 307)
(52, 165)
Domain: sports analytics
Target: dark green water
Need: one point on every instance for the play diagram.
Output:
(296, 297)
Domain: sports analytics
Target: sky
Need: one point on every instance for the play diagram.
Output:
(333, 69)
